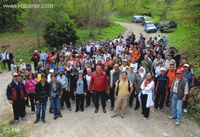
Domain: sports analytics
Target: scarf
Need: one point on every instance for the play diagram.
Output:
(147, 81)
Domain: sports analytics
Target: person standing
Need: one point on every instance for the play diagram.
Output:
(124, 87)
(131, 76)
(62, 78)
(189, 76)
(99, 83)
(16, 94)
(115, 75)
(179, 91)
(9, 57)
(3, 55)
(35, 58)
(89, 94)
(55, 96)
(43, 57)
(30, 89)
(169, 61)
(42, 90)
(80, 90)
(147, 64)
(171, 75)
(161, 89)
(146, 95)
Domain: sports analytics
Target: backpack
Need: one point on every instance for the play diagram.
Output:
(129, 88)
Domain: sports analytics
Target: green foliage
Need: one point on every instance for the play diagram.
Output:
(57, 34)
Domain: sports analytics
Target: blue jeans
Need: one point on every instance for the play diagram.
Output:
(44, 63)
(55, 102)
(102, 95)
(177, 105)
(42, 104)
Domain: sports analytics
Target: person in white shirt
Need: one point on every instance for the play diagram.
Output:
(145, 95)
(88, 48)
(135, 64)
(3, 55)
(119, 48)
(106, 55)
(157, 70)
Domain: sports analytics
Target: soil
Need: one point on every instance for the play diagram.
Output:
(88, 123)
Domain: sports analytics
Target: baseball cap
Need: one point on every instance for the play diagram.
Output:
(124, 60)
(132, 66)
(61, 68)
(15, 74)
(179, 71)
(51, 70)
(148, 46)
(186, 65)
(80, 71)
(162, 68)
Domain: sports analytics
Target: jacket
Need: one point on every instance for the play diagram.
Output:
(42, 92)
(99, 82)
(30, 86)
(59, 90)
(63, 80)
(139, 81)
(85, 87)
(111, 77)
(181, 87)
(16, 92)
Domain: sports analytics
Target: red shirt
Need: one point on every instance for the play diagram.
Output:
(99, 82)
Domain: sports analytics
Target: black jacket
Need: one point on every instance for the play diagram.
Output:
(84, 83)
(58, 88)
(42, 92)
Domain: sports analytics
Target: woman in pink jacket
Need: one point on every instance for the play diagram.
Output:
(30, 89)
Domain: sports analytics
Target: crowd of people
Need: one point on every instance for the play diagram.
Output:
(117, 71)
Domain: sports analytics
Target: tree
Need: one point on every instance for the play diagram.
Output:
(57, 34)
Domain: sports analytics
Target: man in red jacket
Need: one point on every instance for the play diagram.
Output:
(99, 84)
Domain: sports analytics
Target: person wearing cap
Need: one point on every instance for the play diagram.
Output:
(169, 61)
(16, 94)
(114, 76)
(80, 88)
(158, 69)
(38, 73)
(147, 64)
(124, 66)
(99, 85)
(124, 87)
(179, 91)
(161, 89)
(189, 76)
(42, 90)
(131, 76)
(21, 64)
(30, 89)
(157, 61)
(55, 96)
(65, 82)
(35, 58)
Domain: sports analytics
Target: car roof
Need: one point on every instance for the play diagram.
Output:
(137, 16)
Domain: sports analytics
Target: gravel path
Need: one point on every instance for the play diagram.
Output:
(87, 123)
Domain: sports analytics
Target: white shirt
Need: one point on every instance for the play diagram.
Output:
(105, 56)
(118, 49)
(157, 71)
(135, 67)
(88, 48)
(3, 56)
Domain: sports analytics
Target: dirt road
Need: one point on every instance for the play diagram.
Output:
(87, 123)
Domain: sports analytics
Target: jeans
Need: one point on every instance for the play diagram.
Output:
(44, 63)
(31, 96)
(102, 95)
(55, 102)
(177, 105)
(42, 104)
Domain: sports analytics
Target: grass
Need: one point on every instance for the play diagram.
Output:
(108, 32)
(6, 130)
(119, 18)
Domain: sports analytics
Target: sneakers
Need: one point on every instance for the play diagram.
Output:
(185, 110)
(161, 110)
(60, 115)
(111, 108)
(16, 122)
(55, 117)
(104, 110)
(177, 123)
(114, 116)
(70, 109)
(36, 121)
(32, 112)
(44, 121)
(86, 106)
(96, 110)
(142, 115)
(171, 117)
(76, 110)
(144, 118)
(122, 115)
(155, 109)
(24, 119)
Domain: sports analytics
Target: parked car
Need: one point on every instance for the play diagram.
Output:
(136, 19)
(150, 27)
(146, 20)
(167, 26)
